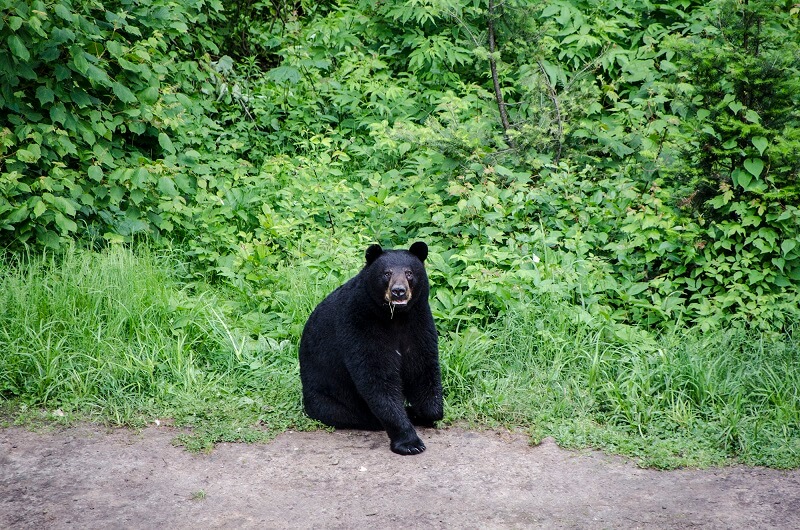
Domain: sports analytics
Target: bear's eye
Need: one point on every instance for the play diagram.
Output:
(387, 275)
(409, 275)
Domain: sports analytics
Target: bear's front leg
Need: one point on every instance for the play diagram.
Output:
(407, 445)
(388, 408)
(384, 396)
(423, 389)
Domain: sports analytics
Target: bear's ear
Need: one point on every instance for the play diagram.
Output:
(373, 252)
(420, 250)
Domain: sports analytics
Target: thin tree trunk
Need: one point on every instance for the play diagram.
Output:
(501, 104)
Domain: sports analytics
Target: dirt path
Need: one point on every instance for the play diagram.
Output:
(84, 477)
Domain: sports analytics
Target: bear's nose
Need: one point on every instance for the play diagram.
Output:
(398, 292)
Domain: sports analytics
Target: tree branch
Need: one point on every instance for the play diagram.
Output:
(501, 105)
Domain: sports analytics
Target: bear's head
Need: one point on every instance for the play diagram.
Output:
(396, 279)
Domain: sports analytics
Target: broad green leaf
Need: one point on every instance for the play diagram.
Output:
(741, 178)
(284, 74)
(752, 116)
(165, 143)
(58, 114)
(62, 72)
(128, 65)
(98, 75)
(637, 288)
(503, 171)
(494, 234)
(62, 35)
(123, 93)
(79, 59)
(29, 155)
(115, 48)
(80, 97)
(39, 208)
(66, 225)
(754, 165)
(18, 48)
(116, 194)
(63, 12)
(65, 205)
(139, 178)
(149, 95)
(760, 143)
(44, 95)
(95, 173)
(788, 245)
(735, 106)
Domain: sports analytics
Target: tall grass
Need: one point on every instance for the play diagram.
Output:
(117, 336)
(679, 398)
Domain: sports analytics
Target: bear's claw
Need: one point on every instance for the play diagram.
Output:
(408, 448)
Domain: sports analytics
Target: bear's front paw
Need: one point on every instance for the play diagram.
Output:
(413, 446)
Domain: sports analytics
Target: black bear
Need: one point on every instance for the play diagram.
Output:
(369, 355)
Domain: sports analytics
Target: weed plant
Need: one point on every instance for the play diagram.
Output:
(114, 336)
(124, 338)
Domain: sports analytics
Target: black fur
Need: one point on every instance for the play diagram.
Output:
(369, 356)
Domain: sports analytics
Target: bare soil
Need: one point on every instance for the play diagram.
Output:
(88, 477)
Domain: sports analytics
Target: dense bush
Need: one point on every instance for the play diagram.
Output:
(592, 177)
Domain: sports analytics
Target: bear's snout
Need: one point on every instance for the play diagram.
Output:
(398, 291)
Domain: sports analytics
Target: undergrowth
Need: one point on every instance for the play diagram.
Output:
(127, 338)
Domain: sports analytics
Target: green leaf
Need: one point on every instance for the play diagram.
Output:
(29, 155)
(115, 48)
(752, 116)
(167, 187)
(79, 59)
(98, 75)
(139, 178)
(637, 288)
(754, 165)
(741, 178)
(494, 234)
(44, 95)
(66, 225)
(117, 193)
(149, 95)
(40, 208)
(58, 114)
(95, 173)
(760, 143)
(788, 245)
(166, 143)
(284, 74)
(65, 205)
(18, 48)
(63, 12)
(123, 93)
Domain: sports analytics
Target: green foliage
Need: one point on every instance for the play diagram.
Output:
(115, 336)
(742, 138)
(647, 181)
(118, 336)
(88, 110)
